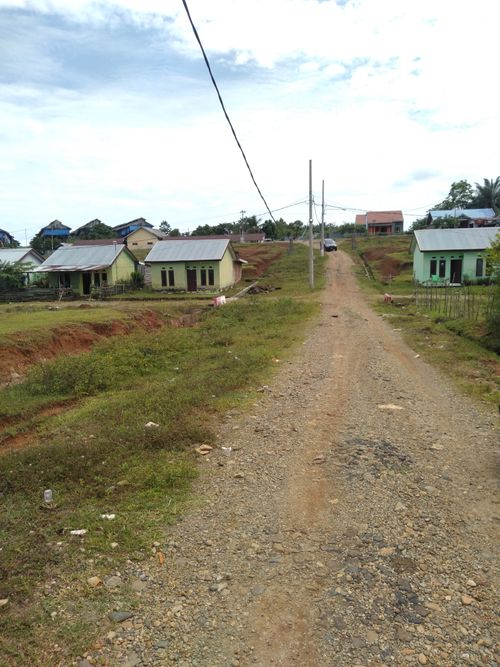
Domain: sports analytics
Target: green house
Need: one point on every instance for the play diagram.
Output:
(82, 267)
(192, 265)
(451, 256)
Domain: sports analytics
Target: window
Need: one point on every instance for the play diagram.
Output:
(433, 267)
(150, 242)
(171, 277)
(203, 277)
(211, 280)
(442, 267)
(479, 267)
(134, 243)
(163, 278)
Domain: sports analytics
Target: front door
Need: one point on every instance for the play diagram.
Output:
(86, 282)
(191, 280)
(456, 271)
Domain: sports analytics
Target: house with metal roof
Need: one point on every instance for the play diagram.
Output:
(144, 238)
(451, 256)
(27, 257)
(466, 217)
(208, 264)
(6, 239)
(381, 222)
(55, 229)
(85, 266)
(128, 227)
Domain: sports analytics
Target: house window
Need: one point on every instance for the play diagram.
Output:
(171, 277)
(479, 267)
(211, 280)
(442, 267)
(433, 267)
(150, 242)
(163, 278)
(134, 243)
(203, 277)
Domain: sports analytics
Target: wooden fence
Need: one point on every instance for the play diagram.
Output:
(454, 302)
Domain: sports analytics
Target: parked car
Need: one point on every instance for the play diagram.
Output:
(329, 245)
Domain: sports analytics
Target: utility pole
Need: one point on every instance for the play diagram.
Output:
(242, 238)
(322, 239)
(311, 250)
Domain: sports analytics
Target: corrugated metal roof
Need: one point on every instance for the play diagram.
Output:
(472, 213)
(478, 238)
(82, 258)
(12, 255)
(187, 251)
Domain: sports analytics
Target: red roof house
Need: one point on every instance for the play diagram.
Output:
(381, 222)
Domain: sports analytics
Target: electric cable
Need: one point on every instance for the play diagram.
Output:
(224, 108)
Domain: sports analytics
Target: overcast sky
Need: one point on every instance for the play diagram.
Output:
(107, 110)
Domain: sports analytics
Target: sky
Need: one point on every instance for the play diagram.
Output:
(107, 110)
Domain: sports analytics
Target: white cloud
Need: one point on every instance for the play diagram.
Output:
(107, 109)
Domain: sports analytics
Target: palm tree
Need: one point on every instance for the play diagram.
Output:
(488, 194)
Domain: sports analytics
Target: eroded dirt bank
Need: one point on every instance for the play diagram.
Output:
(348, 520)
(19, 351)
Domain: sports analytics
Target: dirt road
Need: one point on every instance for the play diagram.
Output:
(352, 523)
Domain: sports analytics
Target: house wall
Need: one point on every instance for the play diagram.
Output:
(121, 269)
(224, 273)
(422, 264)
(141, 238)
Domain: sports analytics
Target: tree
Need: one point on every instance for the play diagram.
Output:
(45, 244)
(165, 227)
(12, 275)
(97, 231)
(461, 195)
(175, 232)
(488, 194)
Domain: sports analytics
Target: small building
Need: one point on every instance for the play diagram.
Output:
(85, 266)
(24, 256)
(144, 238)
(466, 217)
(381, 222)
(55, 229)
(194, 265)
(128, 227)
(451, 256)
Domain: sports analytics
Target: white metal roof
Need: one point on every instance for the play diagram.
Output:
(188, 251)
(478, 238)
(82, 258)
(25, 255)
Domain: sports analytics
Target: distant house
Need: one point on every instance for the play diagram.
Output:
(246, 237)
(87, 227)
(144, 238)
(81, 242)
(381, 222)
(128, 227)
(85, 266)
(6, 239)
(451, 255)
(55, 229)
(24, 256)
(208, 264)
(466, 217)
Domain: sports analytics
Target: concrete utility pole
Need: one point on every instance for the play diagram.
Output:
(322, 238)
(242, 238)
(311, 250)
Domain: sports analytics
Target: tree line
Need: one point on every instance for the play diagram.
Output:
(463, 195)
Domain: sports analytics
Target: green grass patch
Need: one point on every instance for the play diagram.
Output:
(454, 346)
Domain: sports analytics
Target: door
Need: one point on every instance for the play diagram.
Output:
(86, 282)
(456, 271)
(191, 280)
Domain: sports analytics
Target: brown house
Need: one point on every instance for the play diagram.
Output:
(381, 222)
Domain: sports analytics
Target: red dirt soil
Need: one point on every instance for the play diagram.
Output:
(259, 257)
(20, 351)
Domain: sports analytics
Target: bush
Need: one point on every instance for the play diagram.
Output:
(80, 375)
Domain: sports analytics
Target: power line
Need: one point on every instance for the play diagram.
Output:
(224, 108)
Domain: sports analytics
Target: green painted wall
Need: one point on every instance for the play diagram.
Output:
(422, 264)
(223, 273)
(121, 269)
